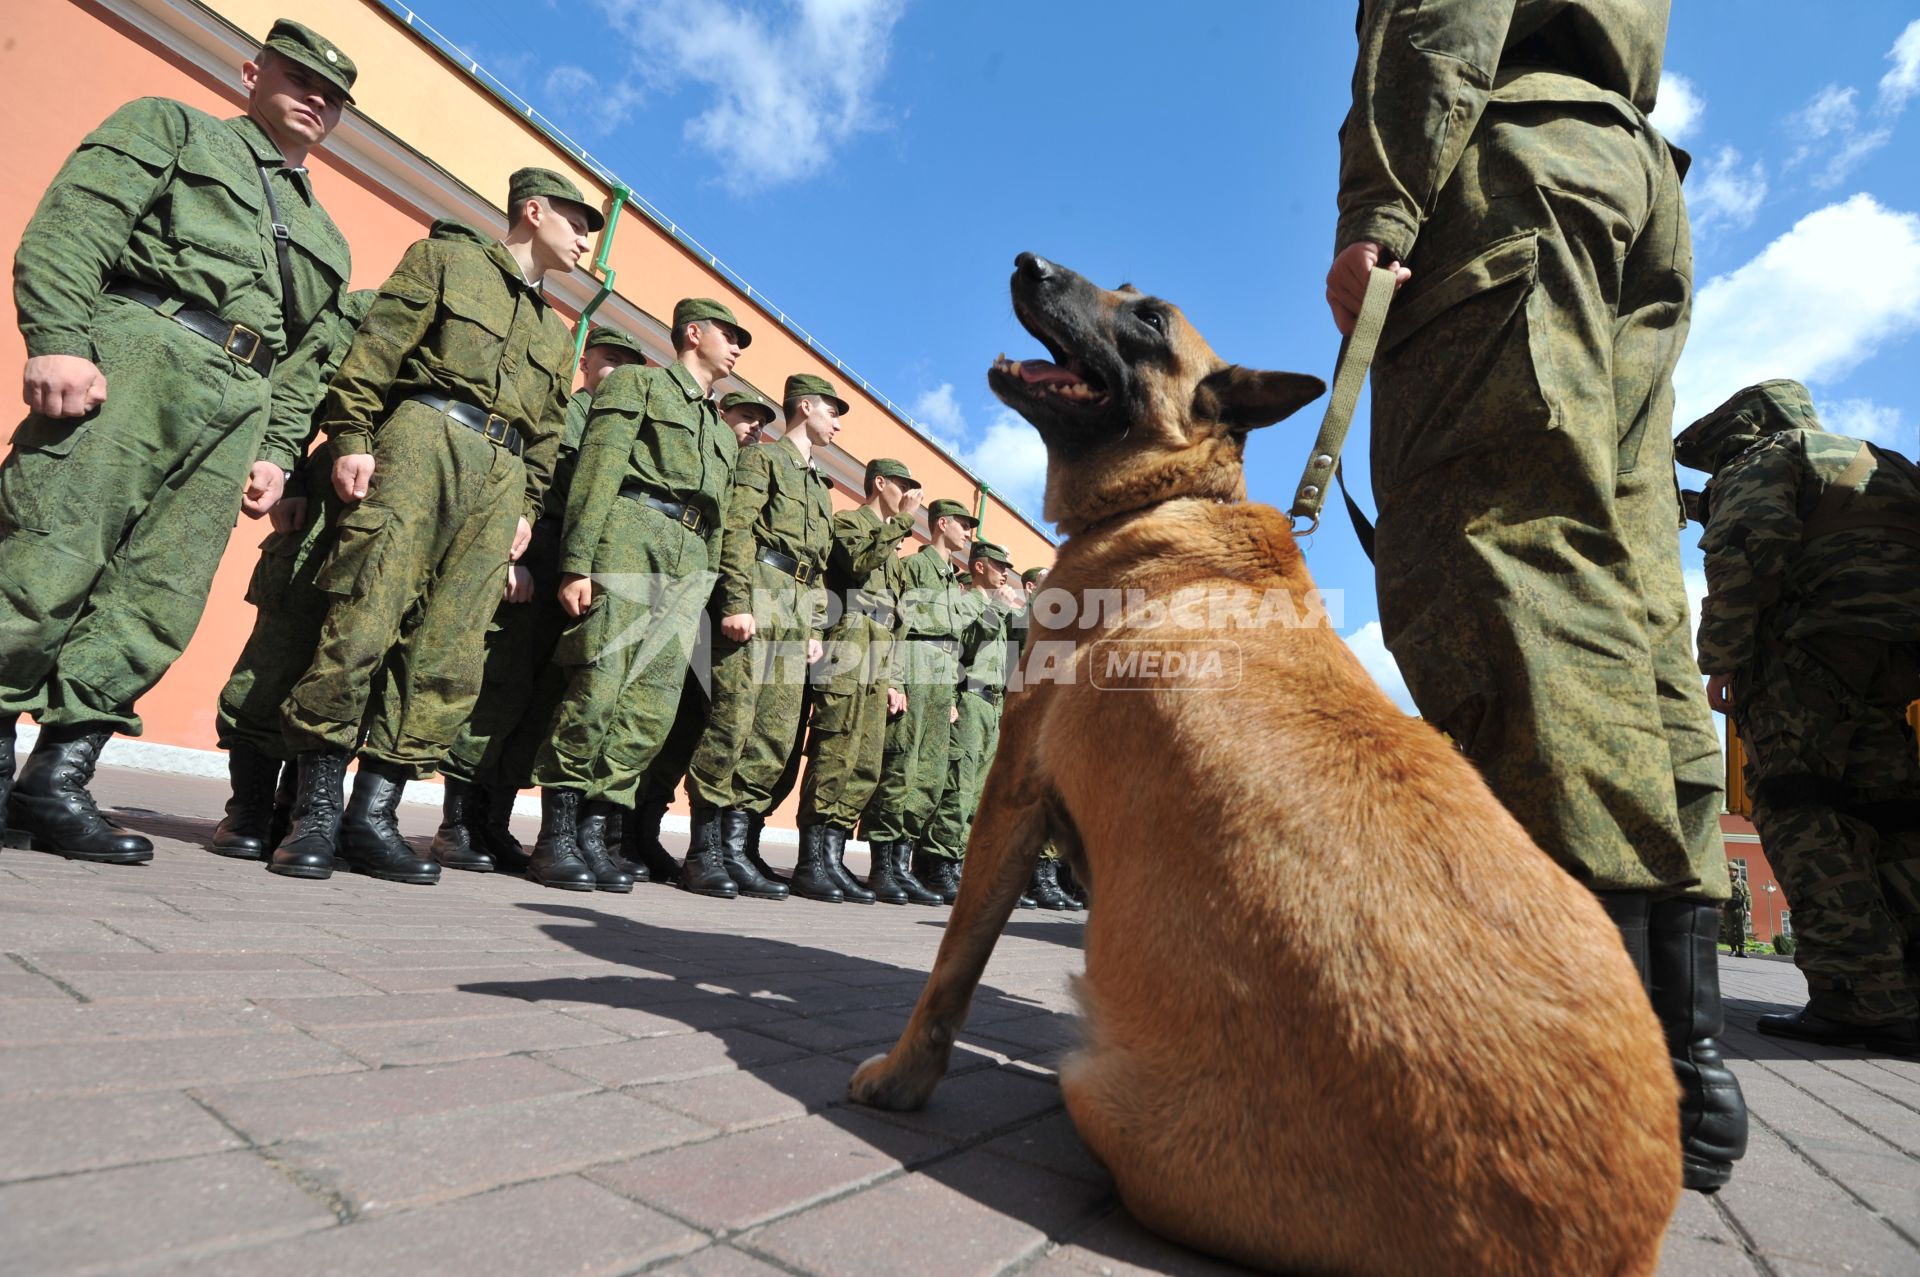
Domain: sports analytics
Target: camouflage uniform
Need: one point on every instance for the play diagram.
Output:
(975, 734)
(1812, 549)
(926, 660)
(1733, 929)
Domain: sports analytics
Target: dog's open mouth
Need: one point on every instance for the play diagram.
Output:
(1068, 379)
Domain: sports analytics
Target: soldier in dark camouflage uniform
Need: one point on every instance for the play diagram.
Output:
(1501, 158)
(445, 421)
(1733, 918)
(492, 759)
(979, 696)
(637, 563)
(1811, 633)
(150, 264)
(773, 609)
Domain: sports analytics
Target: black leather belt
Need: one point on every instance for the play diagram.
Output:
(491, 424)
(244, 345)
(685, 515)
(951, 646)
(805, 573)
(986, 692)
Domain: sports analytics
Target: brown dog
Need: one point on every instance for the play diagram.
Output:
(1342, 1016)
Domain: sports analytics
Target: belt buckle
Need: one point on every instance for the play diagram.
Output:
(234, 333)
(803, 573)
(689, 518)
(496, 427)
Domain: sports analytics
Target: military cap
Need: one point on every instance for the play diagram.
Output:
(1031, 575)
(747, 399)
(943, 508)
(888, 468)
(300, 43)
(527, 183)
(991, 553)
(689, 309)
(1742, 421)
(608, 336)
(802, 384)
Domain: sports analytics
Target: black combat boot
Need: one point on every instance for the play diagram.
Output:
(641, 846)
(757, 824)
(282, 803)
(811, 879)
(1808, 1025)
(52, 809)
(370, 840)
(881, 880)
(736, 834)
(492, 809)
(705, 871)
(455, 843)
(1629, 909)
(1070, 886)
(590, 839)
(938, 874)
(556, 860)
(618, 818)
(917, 892)
(1681, 936)
(247, 831)
(308, 849)
(834, 857)
(1045, 887)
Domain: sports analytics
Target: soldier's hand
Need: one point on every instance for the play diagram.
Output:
(953, 713)
(1720, 693)
(576, 593)
(738, 628)
(815, 650)
(521, 535)
(352, 475)
(63, 385)
(896, 702)
(265, 482)
(519, 585)
(289, 514)
(910, 500)
(1347, 281)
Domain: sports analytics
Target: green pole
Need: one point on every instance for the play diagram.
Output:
(621, 194)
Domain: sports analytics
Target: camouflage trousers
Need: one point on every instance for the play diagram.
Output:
(1836, 786)
(849, 728)
(626, 658)
(399, 658)
(112, 525)
(669, 766)
(913, 757)
(1733, 926)
(969, 755)
(1528, 556)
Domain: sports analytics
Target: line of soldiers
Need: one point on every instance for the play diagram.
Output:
(476, 573)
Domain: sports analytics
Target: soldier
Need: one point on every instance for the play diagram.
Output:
(856, 693)
(913, 765)
(492, 759)
(185, 260)
(1810, 634)
(289, 609)
(641, 545)
(1500, 159)
(445, 421)
(772, 606)
(1733, 919)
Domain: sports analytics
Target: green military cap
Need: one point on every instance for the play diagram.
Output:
(609, 336)
(991, 553)
(689, 309)
(1031, 575)
(527, 183)
(943, 508)
(1742, 421)
(888, 468)
(747, 399)
(301, 43)
(802, 384)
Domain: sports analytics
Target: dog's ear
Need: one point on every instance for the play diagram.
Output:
(1247, 398)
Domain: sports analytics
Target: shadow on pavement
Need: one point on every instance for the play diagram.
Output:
(1070, 937)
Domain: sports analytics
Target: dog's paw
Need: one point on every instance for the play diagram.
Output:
(878, 1086)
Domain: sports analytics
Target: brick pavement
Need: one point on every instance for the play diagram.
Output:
(206, 1069)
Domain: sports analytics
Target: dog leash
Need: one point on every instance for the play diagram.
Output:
(1349, 375)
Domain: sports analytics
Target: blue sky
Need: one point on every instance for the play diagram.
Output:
(874, 165)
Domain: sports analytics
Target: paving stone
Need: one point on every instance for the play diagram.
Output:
(1052, 1144)
(163, 1064)
(42, 1022)
(973, 1105)
(438, 1041)
(393, 1009)
(1117, 1246)
(1790, 1217)
(672, 1058)
(747, 1098)
(158, 986)
(719, 1261)
(60, 1137)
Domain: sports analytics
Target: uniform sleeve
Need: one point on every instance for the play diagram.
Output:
(79, 232)
(606, 452)
(299, 382)
(1423, 76)
(1753, 532)
(543, 455)
(399, 319)
(752, 478)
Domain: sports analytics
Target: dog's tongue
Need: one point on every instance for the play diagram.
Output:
(1041, 372)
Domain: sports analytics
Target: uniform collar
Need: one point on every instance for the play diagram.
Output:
(683, 377)
(940, 557)
(265, 153)
(497, 254)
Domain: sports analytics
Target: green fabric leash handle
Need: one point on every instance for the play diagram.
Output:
(1349, 375)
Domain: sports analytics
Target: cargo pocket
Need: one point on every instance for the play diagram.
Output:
(355, 562)
(32, 490)
(271, 575)
(215, 208)
(580, 642)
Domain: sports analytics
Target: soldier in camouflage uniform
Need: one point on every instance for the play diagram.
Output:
(637, 563)
(492, 759)
(772, 606)
(445, 421)
(1500, 157)
(1733, 918)
(1811, 635)
(152, 264)
(979, 697)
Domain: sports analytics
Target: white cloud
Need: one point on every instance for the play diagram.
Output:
(578, 93)
(1007, 454)
(1369, 645)
(1865, 419)
(1831, 110)
(1678, 107)
(1727, 192)
(1903, 81)
(785, 91)
(1812, 305)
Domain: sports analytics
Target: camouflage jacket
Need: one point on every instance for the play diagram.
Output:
(575, 428)
(1428, 68)
(457, 318)
(654, 427)
(983, 650)
(781, 502)
(934, 604)
(169, 197)
(864, 545)
(1798, 538)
